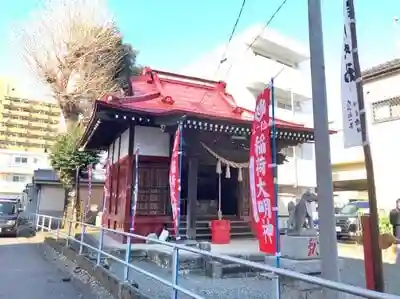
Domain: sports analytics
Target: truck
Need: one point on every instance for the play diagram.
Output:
(9, 217)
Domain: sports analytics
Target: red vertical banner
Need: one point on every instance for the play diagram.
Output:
(261, 175)
(106, 192)
(174, 182)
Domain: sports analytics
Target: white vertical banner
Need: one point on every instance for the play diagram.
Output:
(350, 110)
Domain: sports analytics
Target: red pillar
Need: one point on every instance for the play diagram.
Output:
(368, 258)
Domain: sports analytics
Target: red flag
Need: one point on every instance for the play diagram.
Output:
(106, 192)
(174, 182)
(261, 175)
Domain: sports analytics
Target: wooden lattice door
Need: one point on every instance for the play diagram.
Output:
(153, 189)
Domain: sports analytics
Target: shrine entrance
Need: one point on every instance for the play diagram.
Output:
(208, 193)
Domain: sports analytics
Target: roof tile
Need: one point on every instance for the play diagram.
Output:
(160, 92)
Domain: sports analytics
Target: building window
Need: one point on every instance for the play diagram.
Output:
(18, 178)
(386, 110)
(288, 152)
(20, 160)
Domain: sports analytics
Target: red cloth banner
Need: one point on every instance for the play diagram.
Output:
(261, 175)
(174, 182)
(106, 192)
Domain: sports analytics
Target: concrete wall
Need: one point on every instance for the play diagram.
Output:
(49, 199)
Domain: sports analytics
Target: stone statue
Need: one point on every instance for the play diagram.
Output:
(300, 221)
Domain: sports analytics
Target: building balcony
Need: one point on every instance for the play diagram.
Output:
(6, 102)
(257, 71)
(16, 121)
(37, 133)
(41, 116)
(15, 103)
(273, 42)
(297, 172)
(20, 130)
(38, 107)
(341, 155)
(349, 175)
(26, 169)
(296, 116)
(38, 125)
(23, 147)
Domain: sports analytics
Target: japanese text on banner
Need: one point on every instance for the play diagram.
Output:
(350, 109)
(174, 183)
(261, 175)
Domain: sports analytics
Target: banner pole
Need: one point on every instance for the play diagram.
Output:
(376, 254)
(136, 191)
(275, 180)
(275, 172)
(180, 180)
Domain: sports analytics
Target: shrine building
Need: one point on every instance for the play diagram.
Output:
(215, 136)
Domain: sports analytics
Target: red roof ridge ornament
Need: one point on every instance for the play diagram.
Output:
(238, 110)
(152, 78)
(220, 86)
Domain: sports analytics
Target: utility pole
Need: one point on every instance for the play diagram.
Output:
(326, 213)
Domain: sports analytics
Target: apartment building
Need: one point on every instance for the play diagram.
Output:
(247, 66)
(28, 129)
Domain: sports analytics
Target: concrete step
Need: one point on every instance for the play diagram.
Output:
(224, 269)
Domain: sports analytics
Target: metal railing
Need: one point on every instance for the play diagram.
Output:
(53, 225)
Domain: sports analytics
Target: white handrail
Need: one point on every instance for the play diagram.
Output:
(333, 285)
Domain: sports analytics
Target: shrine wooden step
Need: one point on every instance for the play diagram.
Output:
(239, 229)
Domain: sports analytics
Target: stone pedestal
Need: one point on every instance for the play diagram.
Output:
(300, 247)
(299, 254)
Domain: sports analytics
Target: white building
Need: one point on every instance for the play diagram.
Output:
(382, 101)
(247, 67)
(382, 104)
(348, 171)
(16, 170)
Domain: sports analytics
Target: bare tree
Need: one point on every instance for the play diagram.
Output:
(75, 47)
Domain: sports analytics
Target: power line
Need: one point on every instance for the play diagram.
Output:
(223, 58)
(267, 23)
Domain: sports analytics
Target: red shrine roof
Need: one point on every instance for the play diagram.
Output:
(161, 93)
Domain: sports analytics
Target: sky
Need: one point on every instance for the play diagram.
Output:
(171, 34)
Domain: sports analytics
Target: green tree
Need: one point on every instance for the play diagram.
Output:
(65, 159)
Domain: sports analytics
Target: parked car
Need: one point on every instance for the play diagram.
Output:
(9, 217)
(348, 219)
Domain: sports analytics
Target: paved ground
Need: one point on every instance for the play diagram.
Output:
(25, 273)
(255, 287)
